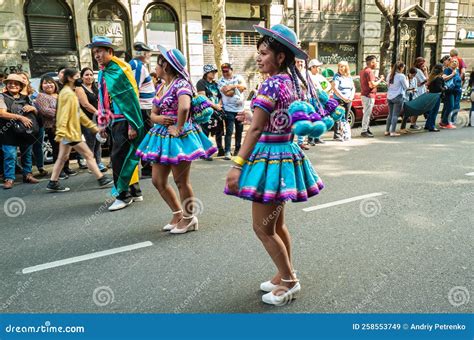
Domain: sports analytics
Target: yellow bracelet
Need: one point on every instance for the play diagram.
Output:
(238, 160)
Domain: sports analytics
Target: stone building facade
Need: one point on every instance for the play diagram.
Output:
(39, 35)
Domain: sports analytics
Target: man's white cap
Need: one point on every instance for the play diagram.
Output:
(314, 62)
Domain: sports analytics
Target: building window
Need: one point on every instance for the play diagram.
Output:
(466, 8)
(161, 26)
(340, 6)
(431, 6)
(309, 5)
(234, 38)
(108, 18)
(50, 25)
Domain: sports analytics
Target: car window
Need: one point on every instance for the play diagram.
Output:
(357, 84)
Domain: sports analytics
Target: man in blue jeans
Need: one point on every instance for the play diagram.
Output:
(232, 87)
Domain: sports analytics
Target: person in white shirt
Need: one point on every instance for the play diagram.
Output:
(232, 87)
(146, 89)
(421, 79)
(317, 78)
(396, 94)
(321, 83)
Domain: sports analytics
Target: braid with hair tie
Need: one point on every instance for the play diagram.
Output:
(301, 78)
(294, 78)
(314, 96)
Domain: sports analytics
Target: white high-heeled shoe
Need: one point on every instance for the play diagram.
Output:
(286, 297)
(169, 226)
(268, 286)
(192, 225)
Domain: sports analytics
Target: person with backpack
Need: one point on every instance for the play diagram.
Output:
(175, 140)
(17, 125)
(208, 87)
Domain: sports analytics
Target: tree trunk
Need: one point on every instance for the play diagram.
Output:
(218, 33)
(385, 50)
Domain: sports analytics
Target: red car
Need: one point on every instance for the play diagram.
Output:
(380, 110)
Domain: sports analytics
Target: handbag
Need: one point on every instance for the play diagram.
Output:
(26, 134)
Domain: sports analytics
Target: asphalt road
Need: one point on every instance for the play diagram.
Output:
(408, 250)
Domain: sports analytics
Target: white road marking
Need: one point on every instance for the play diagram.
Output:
(86, 257)
(470, 174)
(344, 201)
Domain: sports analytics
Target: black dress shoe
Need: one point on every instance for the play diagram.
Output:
(433, 130)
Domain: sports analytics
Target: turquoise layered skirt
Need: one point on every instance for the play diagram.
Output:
(277, 171)
(159, 146)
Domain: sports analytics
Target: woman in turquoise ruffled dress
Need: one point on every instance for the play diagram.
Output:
(270, 169)
(175, 140)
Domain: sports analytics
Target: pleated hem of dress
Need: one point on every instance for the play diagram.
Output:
(268, 198)
(155, 158)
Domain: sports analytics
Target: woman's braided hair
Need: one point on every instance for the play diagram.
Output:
(288, 63)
